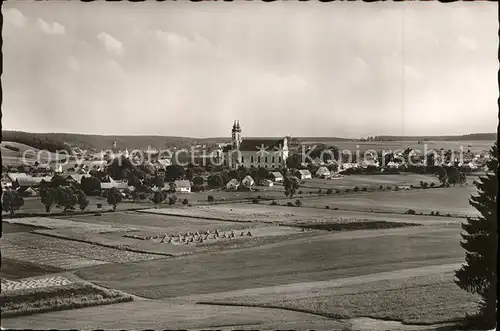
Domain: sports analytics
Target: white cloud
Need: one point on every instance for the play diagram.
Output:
(111, 44)
(54, 28)
(15, 17)
(73, 63)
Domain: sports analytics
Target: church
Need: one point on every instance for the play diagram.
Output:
(267, 153)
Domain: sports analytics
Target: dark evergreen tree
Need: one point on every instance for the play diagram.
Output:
(479, 273)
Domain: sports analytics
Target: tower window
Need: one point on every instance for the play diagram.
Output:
(265, 159)
(273, 159)
(258, 159)
(251, 159)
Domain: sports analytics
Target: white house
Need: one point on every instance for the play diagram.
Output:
(303, 174)
(323, 172)
(233, 184)
(269, 153)
(276, 176)
(247, 181)
(182, 186)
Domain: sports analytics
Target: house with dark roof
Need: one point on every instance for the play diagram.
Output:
(269, 153)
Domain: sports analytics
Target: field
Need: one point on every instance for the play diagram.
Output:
(37, 295)
(350, 270)
(453, 200)
(269, 214)
(369, 181)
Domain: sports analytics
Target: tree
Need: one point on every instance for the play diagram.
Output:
(174, 172)
(479, 274)
(294, 161)
(91, 185)
(12, 201)
(215, 180)
(114, 197)
(48, 198)
(83, 201)
(65, 198)
(291, 185)
(159, 181)
(172, 200)
(158, 198)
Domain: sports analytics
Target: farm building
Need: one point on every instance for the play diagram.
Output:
(12, 176)
(27, 191)
(276, 176)
(28, 181)
(392, 164)
(247, 181)
(183, 186)
(303, 174)
(77, 178)
(233, 184)
(323, 172)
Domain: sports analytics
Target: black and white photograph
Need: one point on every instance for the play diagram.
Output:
(249, 165)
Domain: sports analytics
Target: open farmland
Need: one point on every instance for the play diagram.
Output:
(452, 200)
(42, 294)
(317, 258)
(369, 181)
(266, 213)
(34, 205)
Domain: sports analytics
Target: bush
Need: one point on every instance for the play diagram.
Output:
(299, 192)
(210, 198)
(335, 208)
(298, 203)
(432, 213)
(273, 203)
(329, 191)
(320, 191)
(337, 191)
(432, 185)
(381, 188)
(388, 188)
(448, 215)
(396, 188)
(436, 214)
(364, 189)
(425, 185)
(410, 212)
(172, 200)
(347, 190)
(327, 207)
(356, 189)
(99, 205)
(290, 204)
(185, 202)
(255, 201)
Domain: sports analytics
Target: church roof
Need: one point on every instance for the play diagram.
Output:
(255, 145)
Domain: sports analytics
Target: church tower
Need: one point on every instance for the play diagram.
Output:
(236, 135)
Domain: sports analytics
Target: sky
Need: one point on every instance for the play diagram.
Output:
(341, 69)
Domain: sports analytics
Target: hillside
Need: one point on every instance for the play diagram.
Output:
(60, 141)
(465, 137)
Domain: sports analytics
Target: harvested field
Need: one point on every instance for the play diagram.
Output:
(33, 283)
(30, 301)
(328, 256)
(291, 215)
(155, 222)
(61, 223)
(62, 253)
